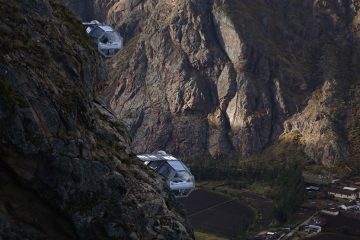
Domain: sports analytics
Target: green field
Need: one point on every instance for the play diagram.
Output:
(207, 236)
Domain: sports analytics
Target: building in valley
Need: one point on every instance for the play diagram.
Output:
(344, 193)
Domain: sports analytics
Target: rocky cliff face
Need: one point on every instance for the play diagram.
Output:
(128, 15)
(66, 168)
(223, 76)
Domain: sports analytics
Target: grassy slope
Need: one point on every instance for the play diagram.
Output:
(354, 128)
(207, 236)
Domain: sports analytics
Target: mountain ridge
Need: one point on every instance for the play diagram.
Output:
(228, 77)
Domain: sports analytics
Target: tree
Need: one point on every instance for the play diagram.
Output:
(290, 191)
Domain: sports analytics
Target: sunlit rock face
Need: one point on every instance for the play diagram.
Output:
(200, 78)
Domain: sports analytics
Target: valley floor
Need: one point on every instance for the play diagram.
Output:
(211, 212)
(217, 210)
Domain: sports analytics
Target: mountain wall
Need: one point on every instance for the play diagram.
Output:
(219, 77)
(67, 170)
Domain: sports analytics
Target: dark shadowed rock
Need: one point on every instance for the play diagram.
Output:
(67, 170)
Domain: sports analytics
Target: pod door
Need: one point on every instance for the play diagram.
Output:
(180, 182)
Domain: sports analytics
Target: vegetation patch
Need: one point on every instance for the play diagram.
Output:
(207, 236)
(289, 192)
(122, 60)
(274, 174)
(11, 39)
(353, 131)
(72, 23)
(69, 100)
(11, 97)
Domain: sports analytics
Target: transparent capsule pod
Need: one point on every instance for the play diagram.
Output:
(177, 176)
(108, 41)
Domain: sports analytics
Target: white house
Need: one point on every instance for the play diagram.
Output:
(343, 193)
(330, 211)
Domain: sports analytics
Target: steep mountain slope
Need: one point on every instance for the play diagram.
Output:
(66, 168)
(223, 76)
(88, 10)
(129, 15)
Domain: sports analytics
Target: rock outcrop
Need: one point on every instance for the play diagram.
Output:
(223, 76)
(128, 15)
(67, 170)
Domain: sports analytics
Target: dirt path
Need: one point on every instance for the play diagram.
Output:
(292, 232)
(212, 207)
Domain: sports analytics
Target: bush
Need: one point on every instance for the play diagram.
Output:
(290, 191)
(11, 97)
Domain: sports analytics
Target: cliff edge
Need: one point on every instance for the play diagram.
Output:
(67, 170)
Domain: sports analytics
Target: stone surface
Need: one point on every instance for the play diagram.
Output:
(200, 78)
(67, 169)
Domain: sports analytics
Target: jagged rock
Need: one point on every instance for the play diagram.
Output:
(67, 170)
(223, 76)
